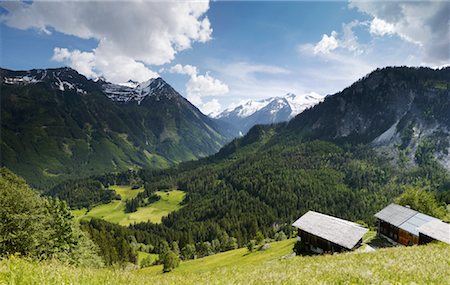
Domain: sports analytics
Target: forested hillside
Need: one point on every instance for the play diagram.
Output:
(263, 186)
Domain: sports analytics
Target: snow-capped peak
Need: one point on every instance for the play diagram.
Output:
(300, 103)
(131, 90)
(251, 107)
(296, 103)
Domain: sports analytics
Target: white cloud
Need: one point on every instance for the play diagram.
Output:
(115, 68)
(425, 23)
(380, 27)
(184, 69)
(326, 44)
(212, 107)
(200, 86)
(349, 39)
(154, 34)
(205, 85)
(83, 62)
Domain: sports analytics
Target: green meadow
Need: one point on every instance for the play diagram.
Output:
(429, 264)
(142, 255)
(114, 211)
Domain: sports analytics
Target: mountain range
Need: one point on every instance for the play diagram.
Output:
(57, 124)
(267, 111)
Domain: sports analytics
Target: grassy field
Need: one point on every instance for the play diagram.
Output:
(142, 255)
(115, 211)
(428, 264)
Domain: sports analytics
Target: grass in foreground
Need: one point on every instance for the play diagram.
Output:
(428, 264)
(114, 211)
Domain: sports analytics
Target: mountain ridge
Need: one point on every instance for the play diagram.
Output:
(400, 110)
(268, 111)
(58, 124)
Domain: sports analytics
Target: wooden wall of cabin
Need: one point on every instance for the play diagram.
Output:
(388, 230)
(407, 238)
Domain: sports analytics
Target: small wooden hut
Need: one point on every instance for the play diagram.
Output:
(323, 233)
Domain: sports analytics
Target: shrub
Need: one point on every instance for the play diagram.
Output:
(280, 236)
(148, 261)
(169, 260)
(300, 248)
(188, 252)
(259, 237)
(251, 245)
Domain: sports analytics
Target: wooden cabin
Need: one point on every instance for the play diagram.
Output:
(323, 233)
(401, 224)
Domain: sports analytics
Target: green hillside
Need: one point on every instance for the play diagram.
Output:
(401, 265)
(114, 211)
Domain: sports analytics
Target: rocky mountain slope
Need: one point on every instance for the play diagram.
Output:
(404, 112)
(268, 111)
(57, 124)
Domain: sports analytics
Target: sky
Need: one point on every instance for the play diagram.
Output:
(220, 54)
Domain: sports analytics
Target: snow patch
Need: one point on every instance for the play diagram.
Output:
(21, 80)
(39, 76)
(126, 92)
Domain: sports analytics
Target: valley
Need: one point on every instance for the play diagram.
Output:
(114, 211)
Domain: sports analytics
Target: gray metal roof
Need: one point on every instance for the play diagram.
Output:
(412, 224)
(338, 231)
(395, 214)
(436, 229)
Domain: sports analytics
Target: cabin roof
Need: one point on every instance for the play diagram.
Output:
(341, 232)
(412, 224)
(395, 214)
(437, 230)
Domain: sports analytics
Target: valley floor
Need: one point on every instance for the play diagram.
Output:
(428, 264)
(114, 211)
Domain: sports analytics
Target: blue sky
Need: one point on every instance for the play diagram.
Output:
(219, 54)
